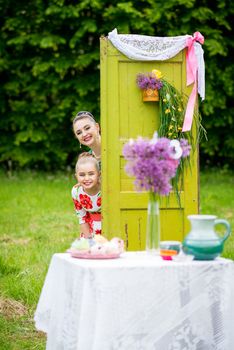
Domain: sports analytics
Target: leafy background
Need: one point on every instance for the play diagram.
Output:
(49, 69)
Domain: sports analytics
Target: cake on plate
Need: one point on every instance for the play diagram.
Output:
(98, 246)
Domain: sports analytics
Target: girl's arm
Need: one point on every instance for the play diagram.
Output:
(84, 230)
(81, 214)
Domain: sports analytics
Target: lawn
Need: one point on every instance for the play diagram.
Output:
(37, 219)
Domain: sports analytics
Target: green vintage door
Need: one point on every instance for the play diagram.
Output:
(124, 116)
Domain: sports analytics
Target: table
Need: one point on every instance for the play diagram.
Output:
(137, 302)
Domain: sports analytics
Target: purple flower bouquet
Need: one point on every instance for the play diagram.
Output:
(154, 163)
(148, 81)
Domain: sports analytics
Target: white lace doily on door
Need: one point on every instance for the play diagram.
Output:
(151, 48)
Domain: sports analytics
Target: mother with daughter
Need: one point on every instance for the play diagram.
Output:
(86, 194)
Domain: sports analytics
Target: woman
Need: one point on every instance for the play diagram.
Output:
(87, 131)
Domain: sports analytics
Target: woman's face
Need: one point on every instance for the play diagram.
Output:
(86, 131)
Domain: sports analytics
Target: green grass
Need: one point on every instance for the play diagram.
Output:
(37, 219)
(217, 197)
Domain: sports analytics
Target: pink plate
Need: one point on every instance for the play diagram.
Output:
(86, 255)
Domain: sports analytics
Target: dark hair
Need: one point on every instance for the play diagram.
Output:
(82, 115)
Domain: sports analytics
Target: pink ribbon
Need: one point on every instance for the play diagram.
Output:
(191, 70)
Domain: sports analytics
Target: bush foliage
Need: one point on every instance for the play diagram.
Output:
(49, 69)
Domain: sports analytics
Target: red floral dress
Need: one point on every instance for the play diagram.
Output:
(88, 208)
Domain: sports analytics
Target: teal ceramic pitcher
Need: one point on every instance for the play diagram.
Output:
(202, 241)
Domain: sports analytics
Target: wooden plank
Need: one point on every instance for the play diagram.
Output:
(129, 199)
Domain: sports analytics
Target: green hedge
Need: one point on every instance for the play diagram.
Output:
(49, 69)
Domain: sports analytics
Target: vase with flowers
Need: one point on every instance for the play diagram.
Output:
(153, 163)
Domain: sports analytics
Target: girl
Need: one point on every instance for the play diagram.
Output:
(86, 195)
(87, 131)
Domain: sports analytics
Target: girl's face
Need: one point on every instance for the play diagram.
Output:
(86, 131)
(88, 177)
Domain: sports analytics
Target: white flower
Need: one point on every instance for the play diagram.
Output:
(176, 150)
(168, 96)
(154, 138)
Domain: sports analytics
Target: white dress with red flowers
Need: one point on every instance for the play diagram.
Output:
(88, 208)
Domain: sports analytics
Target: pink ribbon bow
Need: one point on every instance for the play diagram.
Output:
(191, 70)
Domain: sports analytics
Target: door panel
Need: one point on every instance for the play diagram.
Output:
(124, 116)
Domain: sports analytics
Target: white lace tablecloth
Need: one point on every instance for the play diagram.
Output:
(137, 302)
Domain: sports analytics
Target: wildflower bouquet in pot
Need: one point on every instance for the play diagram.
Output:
(153, 163)
(172, 106)
(150, 84)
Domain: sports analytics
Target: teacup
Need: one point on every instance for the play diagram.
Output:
(168, 249)
(170, 245)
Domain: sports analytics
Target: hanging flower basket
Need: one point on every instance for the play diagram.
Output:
(172, 109)
(150, 95)
(172, 105)
(150, 83)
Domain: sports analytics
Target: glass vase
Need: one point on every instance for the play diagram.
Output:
(153, 225)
